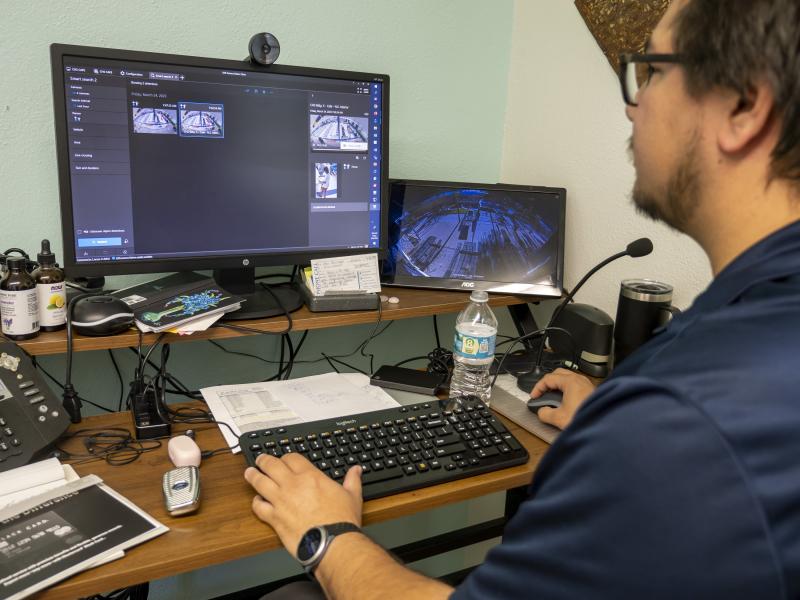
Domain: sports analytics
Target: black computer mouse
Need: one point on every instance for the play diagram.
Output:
(551, 399)
(101, 315)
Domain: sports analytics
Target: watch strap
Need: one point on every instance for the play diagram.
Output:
(340, 528)
(332, 530)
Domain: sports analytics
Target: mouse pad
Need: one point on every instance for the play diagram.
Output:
(511, 402)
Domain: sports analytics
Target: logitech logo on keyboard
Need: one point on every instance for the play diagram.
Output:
(343, 423)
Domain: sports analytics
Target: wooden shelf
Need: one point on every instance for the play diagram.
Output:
(413, 303)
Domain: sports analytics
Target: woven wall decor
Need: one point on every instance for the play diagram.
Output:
(621, 25)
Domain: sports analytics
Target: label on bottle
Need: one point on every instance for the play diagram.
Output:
(19, 311)
(471, 344)
(52, 304)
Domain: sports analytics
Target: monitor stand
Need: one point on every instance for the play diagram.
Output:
(262, 301)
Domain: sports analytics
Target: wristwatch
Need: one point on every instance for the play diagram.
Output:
(316, 541)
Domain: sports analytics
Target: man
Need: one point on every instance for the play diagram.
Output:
(680, 475)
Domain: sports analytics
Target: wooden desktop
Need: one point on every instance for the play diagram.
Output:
(224, 528)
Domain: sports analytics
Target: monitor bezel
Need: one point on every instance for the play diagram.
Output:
(58, 52)
(518, 288)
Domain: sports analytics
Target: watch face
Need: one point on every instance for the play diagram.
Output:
(309, 544)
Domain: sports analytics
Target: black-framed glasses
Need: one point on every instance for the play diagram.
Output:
(635, 71)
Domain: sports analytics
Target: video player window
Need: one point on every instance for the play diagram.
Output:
(477, 237)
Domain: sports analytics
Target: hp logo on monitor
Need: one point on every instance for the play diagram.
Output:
(245, 262)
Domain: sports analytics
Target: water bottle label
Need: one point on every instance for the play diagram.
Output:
(474, 346)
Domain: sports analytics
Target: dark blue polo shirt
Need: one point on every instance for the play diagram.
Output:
(680, 476)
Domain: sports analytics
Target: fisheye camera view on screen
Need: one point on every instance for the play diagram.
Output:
(475, 234)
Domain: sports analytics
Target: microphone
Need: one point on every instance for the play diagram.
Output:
(640, 247)
(636, 249)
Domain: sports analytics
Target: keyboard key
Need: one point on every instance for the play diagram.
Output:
(487, 452)
(384, 475)
(511, 441)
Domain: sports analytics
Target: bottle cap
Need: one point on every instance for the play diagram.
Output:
(479, 296)
(17, 262)
(46, 258)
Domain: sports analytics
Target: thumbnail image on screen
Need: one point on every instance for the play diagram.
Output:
(337, 132)
(326, 180)
(201, 120)
(475, 234)
(162, 121)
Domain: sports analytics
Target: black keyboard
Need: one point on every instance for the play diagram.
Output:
(399, 449)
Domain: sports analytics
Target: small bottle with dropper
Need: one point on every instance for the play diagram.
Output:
(50, 290)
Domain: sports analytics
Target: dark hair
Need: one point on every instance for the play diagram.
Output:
(734, 43)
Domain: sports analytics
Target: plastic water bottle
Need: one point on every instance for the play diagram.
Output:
(473, 349)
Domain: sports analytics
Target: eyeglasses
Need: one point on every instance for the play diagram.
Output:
(635, 71)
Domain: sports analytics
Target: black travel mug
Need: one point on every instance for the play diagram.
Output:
(644, 306)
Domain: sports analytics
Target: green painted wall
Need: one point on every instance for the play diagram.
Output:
(448, 61)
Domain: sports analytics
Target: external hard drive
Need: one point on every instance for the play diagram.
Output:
(409, 380)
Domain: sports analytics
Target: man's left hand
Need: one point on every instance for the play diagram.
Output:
(294, 496)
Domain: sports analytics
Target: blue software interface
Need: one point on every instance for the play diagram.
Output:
(177, 161)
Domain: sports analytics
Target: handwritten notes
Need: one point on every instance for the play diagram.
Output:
(346, 274)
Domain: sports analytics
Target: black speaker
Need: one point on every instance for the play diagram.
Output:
(591, 331)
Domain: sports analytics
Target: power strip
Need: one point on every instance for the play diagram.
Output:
(147, 423)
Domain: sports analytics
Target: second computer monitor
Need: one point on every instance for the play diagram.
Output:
(467, 236)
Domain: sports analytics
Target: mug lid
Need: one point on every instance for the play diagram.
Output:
(647, 290)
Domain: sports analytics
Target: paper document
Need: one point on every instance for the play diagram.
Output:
(69, 529)
(29, 480)
(251, 406)
(357, 273)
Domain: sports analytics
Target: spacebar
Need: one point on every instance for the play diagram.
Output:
(383, 475)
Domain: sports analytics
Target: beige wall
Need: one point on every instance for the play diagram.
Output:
(565, 126)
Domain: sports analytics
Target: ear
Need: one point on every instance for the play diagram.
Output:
(746, 117)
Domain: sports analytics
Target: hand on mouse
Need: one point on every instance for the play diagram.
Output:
(575, 389)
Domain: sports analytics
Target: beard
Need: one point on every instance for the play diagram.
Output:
(676, 205)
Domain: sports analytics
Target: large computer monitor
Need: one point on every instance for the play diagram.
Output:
(175, 163)
(474, 236)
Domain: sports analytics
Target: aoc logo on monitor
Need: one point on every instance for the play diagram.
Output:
(467, 284)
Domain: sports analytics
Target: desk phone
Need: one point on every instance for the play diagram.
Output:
(31, 415)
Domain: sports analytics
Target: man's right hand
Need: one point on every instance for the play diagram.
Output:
(575, 389)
